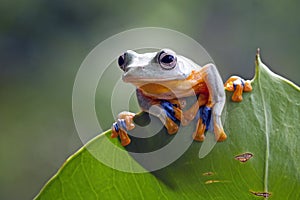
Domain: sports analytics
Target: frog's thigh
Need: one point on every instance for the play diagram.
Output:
(217, 97)
(215, 87)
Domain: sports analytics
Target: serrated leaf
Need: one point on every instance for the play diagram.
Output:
(265, 125)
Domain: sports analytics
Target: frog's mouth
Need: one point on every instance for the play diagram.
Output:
(151, 80)
(139, 75)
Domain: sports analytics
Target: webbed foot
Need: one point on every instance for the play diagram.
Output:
(204, 117)
(120, 127)
(219, 133)
(237, 85)
(169, 115)
(198, 135)
(171, 126)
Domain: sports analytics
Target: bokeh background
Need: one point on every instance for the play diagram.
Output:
(42, 44)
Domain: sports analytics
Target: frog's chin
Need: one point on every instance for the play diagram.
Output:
(140, 74)
(170, 88)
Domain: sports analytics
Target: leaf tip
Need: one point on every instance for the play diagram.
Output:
(258, 64)
(257, 60)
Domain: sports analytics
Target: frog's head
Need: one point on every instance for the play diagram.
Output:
(163, 67)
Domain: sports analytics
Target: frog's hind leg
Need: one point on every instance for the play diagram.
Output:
(167, 115)
(203, 123)
(216, 100)
(164, 110)
(191, 113)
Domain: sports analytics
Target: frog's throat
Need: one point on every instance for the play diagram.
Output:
(167, 91)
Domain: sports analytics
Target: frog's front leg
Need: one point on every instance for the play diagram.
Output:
(123, 123)
(164, 110)
(216, 99)
(166, 113)
(237, 85)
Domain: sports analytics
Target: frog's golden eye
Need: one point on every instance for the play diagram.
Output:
(121, 61)
(167, 59)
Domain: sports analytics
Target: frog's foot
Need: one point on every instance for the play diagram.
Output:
(125, 140)
(237, 85)
(128, 117)
(120, 127)
(171, 126)
(219, 133)
(198, 135)
(170, 116)
(204, 117)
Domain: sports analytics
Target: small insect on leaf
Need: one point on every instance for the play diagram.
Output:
(261, 194)
(243, 157)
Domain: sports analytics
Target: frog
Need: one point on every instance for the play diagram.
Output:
(164, 82)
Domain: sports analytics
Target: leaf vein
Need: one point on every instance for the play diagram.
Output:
(267, 134)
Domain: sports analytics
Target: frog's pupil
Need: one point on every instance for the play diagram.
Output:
(167, 59)
(121, 61)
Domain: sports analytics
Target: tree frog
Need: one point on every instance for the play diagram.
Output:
(164, 84)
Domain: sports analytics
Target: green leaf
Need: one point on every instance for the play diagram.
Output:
(266, 124)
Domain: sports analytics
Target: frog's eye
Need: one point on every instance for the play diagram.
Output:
(167, 59)
(121, 61)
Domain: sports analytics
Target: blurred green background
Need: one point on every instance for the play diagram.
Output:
(43, 43)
